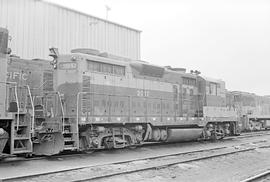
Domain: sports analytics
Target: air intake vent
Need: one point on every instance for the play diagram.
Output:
(86, 97)
(48, 81)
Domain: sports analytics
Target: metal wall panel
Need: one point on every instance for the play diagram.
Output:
(35, 25)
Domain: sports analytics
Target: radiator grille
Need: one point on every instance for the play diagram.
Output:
(86, 97)
(48, 81)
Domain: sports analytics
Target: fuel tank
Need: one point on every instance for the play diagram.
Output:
(184, 134)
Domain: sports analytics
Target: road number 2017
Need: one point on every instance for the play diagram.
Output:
(142, 93)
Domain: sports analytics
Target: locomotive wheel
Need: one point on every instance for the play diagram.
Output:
(108, 143)
(163, 135)
(88, 151)
(218, 135)
(156, 135)
(28, 155)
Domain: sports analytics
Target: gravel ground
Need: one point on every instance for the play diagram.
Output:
(40, 166)
(230, 168)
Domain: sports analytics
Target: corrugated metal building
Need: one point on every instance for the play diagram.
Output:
(36, 25)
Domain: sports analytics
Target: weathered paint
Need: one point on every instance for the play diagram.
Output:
(31, 73)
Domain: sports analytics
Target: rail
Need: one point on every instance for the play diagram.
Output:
(259, 177)
(137, 164)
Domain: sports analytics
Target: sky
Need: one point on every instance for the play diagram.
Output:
(223, 39)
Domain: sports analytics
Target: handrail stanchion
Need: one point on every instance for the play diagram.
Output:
(18, 107)
(63, 113)
(77, 122)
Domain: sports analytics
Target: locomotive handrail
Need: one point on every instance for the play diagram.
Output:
(61, 105)
(14, 83)
(77, 120)
(63, 113)
(78, 100)
(18, 108)
(161, 109)
(9, 83)
(33, 109)
(96, 93)
(128, 96)
(17, 102)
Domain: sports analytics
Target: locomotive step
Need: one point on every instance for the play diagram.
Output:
(21, 112)
(20, 151)
(48, 132)
(68, 133)
(21, 138)
(39, 117)
(22, 125)
(68, 124)
(70, 148)
(4, 155)
(69, 140)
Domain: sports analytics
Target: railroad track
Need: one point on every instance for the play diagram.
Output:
(250, 134)
(101, 172)
(73, 154)
(264, 176)
(162, 165)
(115, 163)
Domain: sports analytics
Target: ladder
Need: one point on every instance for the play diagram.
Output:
(21, 134)
(22, 125)
(71, 138)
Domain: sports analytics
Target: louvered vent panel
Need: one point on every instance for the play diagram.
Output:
(48, 81)
(86, 97)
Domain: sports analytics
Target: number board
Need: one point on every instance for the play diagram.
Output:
(68, 66)
(142, 93)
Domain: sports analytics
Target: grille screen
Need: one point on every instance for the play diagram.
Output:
(48, 81)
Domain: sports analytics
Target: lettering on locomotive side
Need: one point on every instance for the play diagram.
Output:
(142, 93)
(17, 76)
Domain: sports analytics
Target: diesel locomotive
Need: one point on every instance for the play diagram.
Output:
(113, 102)
(253, 111)
(89, 100)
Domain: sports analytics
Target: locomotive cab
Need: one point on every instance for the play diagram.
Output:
(221, 120)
